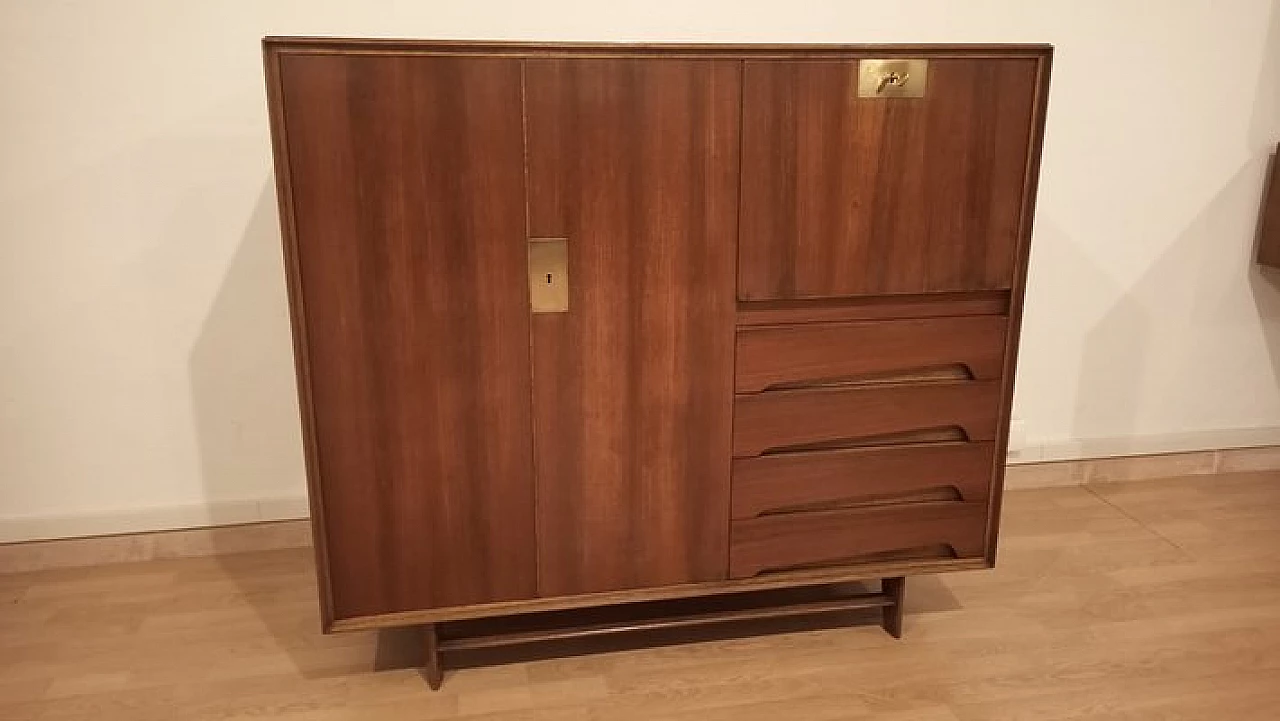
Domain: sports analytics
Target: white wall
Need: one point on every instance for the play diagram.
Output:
(145, 372)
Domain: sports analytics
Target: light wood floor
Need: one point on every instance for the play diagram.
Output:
(1146, 600)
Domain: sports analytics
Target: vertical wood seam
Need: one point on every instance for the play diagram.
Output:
(737, 290)
(533, 378)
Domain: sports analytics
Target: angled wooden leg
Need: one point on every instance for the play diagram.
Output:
(896, 590)
(431, 667)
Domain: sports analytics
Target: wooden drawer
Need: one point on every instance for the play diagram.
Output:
(798, 540)
(777, 421)
(805, 480)
(835, 352)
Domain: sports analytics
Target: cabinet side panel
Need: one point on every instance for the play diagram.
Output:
(297, 315)
(1026, 219)
(635, 163)
(1269, 217)
(408, 194)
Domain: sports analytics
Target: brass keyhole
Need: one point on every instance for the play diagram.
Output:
(892, 78)
(548, 275)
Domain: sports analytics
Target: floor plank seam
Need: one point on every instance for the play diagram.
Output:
(1138, 521)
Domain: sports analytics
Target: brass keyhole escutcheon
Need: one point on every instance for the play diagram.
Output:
(548, 275)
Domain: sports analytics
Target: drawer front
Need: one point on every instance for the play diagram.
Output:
(778, 421)
(805, 480)
(834, 352)
(830, 538)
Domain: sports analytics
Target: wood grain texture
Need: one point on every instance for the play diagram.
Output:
(635, 163)
(1160, 602)
(844, 195)
(789, 420)
(795, 480)
(790, 540)
(1269, 216)
(873, 307)
(632, 353)
(271, 62)
(823, 352)
(407, 188)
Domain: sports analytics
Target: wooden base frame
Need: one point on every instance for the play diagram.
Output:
(431, 667)
(657, 617)
(895, 589)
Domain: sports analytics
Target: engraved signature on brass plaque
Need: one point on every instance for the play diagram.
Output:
(892, 78)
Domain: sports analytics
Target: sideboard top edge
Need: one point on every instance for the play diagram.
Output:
(308, 45)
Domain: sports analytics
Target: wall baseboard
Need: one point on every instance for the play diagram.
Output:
(29, 544)
(1084, 449)
(136, 547)
(15, 529)
(1140, 467)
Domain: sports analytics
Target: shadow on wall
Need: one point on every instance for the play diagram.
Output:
(242, 384)
(1264, 131)
(1114, 353)
(244, 399)
(1196, 289)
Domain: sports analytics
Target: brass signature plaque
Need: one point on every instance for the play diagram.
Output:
(892, 78)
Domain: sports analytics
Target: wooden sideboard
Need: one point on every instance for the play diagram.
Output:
(586, 325)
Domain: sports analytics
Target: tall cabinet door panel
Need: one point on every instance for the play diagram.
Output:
(410, 279)
(634, 164)
(845, 195)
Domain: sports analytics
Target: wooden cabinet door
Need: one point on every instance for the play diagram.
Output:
(845, 196)
(410, 299)
(634, 163)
